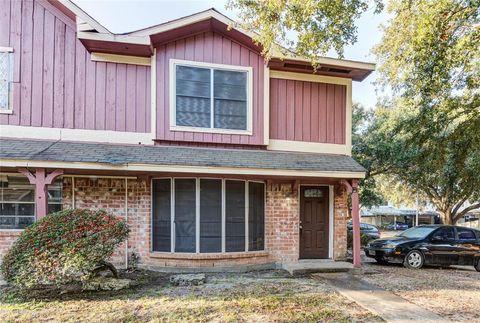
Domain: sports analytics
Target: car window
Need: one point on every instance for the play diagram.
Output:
(466, 234)
(417, 232)
(445, 233)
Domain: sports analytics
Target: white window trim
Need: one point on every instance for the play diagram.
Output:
(10, 91)
(197, 215)
(172, 95)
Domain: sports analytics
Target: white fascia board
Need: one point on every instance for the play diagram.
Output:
(121, 59)
(184, 21)
(329, 61)
(136, 40)
(83, 16)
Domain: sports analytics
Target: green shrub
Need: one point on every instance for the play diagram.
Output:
(63, 247)
(364, 239)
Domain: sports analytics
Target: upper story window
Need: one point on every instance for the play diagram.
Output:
(6, 79)
(210, 97)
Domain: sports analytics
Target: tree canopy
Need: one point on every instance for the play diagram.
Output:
(310, 28)
(427, 135)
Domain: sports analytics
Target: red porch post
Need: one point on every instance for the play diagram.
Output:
(352, 188)
(41, 181)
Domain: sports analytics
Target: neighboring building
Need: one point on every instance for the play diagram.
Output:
(214, 157)
(385, 215)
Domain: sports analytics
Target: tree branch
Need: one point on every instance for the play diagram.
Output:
(465, 211)
(459, 205)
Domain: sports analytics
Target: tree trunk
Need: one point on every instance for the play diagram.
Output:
(105, 265)
(446, 216)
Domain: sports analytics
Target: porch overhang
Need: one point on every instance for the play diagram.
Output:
(93, 157)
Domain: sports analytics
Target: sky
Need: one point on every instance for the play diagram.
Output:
(121, 16)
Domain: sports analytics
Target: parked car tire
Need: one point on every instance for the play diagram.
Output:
(414, 259)
(477, 265)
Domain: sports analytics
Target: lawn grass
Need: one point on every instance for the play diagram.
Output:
(253, 297)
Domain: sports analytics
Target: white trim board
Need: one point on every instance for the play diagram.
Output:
(82, 135)
(312, 147)
(116, 38)
(310, 77)
(180, 169)
(331, 215)
(6, 49)
(153, 95)
(266, 105)
(121, 59)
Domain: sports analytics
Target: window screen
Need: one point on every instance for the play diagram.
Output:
(234, 216)
(6, 78)
(185, 215)
(161, 216)
(256, 216)
(230, 92)
(195, 104)
(193, 96)
(210, 215)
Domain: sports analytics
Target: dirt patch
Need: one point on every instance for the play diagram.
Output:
(267, 296)
(452, 293)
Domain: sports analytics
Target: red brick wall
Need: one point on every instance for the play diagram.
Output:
(6, 240)
(340, 213)
(109, 194)
(281, 223)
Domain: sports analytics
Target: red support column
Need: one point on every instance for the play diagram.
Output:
(41, 181)
(356, 224)
(352, 188)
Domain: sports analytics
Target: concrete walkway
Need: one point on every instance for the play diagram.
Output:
(389, 306)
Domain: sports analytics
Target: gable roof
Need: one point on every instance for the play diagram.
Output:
(97, 38)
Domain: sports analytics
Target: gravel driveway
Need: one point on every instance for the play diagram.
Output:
(453, 293)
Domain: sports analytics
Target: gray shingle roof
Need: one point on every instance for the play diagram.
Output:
(170, 155)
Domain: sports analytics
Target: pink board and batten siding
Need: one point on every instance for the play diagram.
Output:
(307, 111)
(214, 48)
(55, 82)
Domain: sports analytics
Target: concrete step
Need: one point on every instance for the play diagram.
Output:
(303, 267)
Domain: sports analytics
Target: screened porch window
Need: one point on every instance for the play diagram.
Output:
(17, 201)
(210, 99)
(208, 215)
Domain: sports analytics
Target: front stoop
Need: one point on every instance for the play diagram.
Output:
(308, 266)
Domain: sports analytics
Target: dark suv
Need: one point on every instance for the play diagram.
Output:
(429, 244)
(365, 228)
